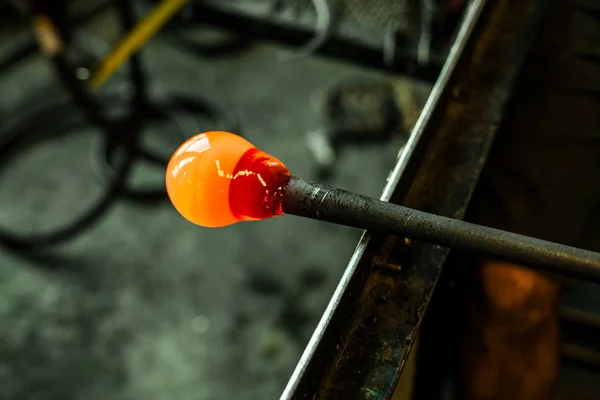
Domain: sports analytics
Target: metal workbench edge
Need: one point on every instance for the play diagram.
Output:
(363, 339)
(457, 49)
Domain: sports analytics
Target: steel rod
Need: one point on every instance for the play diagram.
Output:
(341, 207)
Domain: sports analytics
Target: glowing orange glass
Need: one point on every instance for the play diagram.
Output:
(216, 179)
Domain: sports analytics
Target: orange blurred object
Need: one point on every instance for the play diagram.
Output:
(216, 178)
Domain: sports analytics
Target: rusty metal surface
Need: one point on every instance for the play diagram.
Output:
(364, 338)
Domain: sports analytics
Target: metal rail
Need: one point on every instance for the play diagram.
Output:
(350, 42)
(359, 347)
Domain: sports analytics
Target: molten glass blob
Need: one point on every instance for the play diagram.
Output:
(217, 178)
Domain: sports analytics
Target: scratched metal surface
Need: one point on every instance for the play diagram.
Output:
(364, 339)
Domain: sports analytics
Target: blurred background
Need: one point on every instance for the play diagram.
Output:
(105, 291)
(108, 293)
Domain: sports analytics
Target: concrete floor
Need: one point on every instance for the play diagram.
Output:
(145, 305)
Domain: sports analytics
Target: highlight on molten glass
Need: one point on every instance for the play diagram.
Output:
(217, 178)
